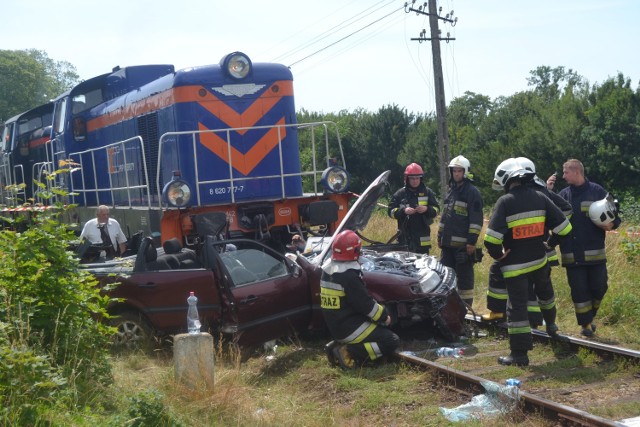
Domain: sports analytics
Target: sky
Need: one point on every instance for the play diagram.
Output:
(344, 54)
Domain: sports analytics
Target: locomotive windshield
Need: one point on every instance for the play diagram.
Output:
(84, 101)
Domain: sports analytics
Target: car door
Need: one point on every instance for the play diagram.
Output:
(162, 297)
(269, 295)
(160, 293)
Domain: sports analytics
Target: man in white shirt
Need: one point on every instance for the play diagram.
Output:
(105, 230)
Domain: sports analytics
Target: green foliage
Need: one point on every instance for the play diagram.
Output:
(622, 307)
(26, 378)
(53, 342)
(630, 228)
(421, 147)
(371, 142)
(29, 78)
(147, 409)
(630, 243)
(612, 134)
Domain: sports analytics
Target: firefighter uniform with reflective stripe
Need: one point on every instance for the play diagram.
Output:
(497, 289)
(352, 315)
(460, 225)
(415, 229)
(518, 224)
(584, 254)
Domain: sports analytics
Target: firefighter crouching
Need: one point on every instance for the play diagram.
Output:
(355, 320)
(516, 238)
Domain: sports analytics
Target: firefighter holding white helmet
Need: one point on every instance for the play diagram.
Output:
(460, 226)
(583, 256)
(356, 321)
(414, 206)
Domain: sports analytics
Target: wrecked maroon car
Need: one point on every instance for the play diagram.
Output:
(251, 293)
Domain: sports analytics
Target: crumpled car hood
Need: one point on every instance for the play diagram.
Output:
(431, 275)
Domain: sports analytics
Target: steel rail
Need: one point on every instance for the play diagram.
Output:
(529, 402)
(573, 342)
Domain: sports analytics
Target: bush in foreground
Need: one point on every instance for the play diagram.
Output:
(54, 349)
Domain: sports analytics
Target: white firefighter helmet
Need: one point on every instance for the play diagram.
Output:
(529, 165)
(526, 163)
(603, 211)
(461, 162)
(508, 170)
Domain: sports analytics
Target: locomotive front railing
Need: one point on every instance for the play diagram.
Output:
(97, 168)
(106, 173)
(233, 179)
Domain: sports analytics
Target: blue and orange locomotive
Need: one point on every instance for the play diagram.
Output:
(159, 146)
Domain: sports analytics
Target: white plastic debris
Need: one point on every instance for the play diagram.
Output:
(498, 399)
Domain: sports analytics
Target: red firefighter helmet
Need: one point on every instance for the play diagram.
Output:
(413, 169)
(346, 246)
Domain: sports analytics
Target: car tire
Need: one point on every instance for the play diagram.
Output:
(133, 331)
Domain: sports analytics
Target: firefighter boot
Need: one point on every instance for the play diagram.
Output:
(328, 349)
(516, 358)
(588, 330)
(552, 331)
(345, 361)
(492, 315)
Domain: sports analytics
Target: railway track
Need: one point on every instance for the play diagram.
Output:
(558, 384)
(602, 349)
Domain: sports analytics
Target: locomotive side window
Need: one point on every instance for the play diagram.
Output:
(58, 120)
(84, 101)
(6, 137)
(78, 104)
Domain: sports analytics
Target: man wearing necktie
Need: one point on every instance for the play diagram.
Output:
(106, 231)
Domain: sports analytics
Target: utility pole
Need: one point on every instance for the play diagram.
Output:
(441, 106)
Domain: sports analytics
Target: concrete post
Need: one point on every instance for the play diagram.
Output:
(194, 359)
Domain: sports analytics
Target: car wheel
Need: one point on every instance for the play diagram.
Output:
(133, 332)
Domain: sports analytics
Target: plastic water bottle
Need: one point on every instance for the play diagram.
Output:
(449, 352)
(193, 320)
(513, 382)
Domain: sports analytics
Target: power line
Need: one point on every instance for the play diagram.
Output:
(313, 40)
(345, 37)
(335, 29)
(365, 38)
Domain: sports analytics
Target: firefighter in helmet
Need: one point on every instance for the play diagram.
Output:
(357, 323)
(497, 292)
(460, 226)
(515, 238)
(414, 206)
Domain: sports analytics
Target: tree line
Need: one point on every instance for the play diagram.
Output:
(560, 116)
(29, 78)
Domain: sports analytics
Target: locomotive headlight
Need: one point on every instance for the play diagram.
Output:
(335, 179)
(237, 65)
(177, 193)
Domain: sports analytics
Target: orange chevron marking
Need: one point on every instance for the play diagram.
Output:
(243, 163)
(252, 114)
(191, 94)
